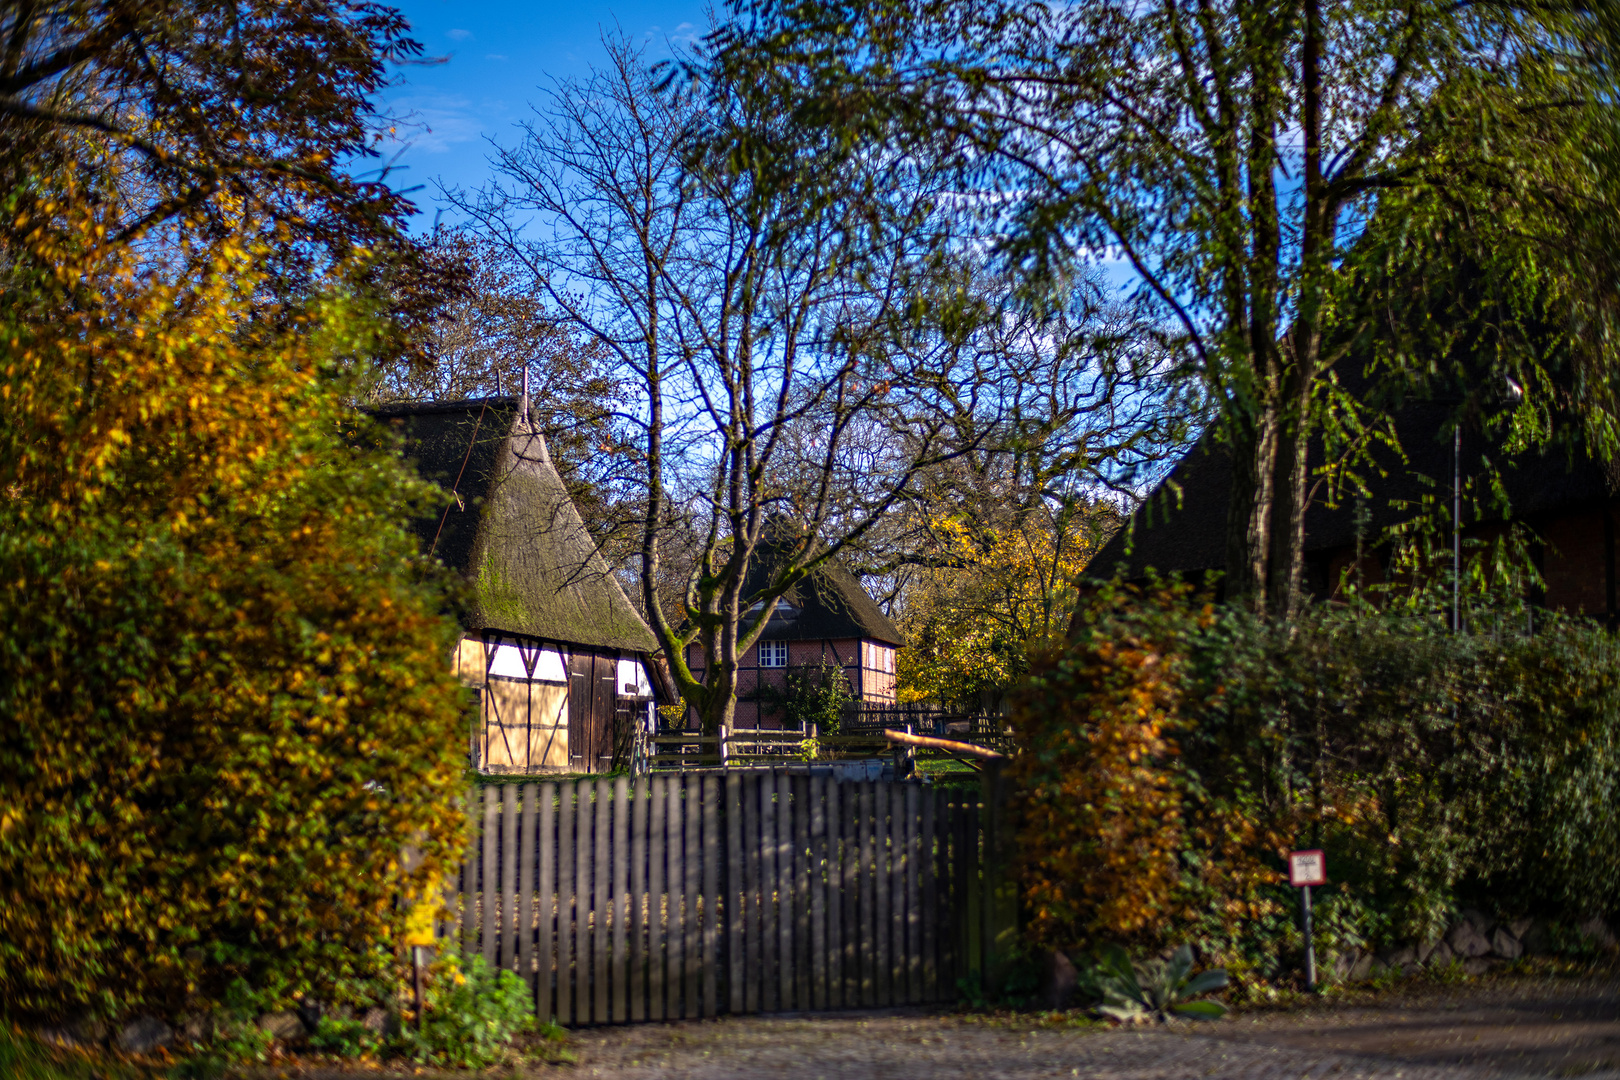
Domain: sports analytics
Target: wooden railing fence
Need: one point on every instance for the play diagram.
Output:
(691, 894)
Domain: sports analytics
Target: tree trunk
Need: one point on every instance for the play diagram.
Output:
(1304, 344)
(719, 712)
(1286, 565)
(1250, 511)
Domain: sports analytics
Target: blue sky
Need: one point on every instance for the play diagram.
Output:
(499, 54)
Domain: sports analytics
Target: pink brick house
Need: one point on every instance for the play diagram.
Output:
(828, 616)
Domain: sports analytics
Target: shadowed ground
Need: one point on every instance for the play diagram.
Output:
(1503, 1028)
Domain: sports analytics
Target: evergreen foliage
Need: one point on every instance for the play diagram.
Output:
(1173, 752)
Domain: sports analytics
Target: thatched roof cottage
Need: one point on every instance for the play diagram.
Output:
(557, 653)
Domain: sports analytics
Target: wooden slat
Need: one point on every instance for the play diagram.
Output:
(975, 893)
(818, 892)
(755, 913)
(735, 905)
(884, 907)
(692, 945)
(655, 898)
(854, 901)
(525, 886)
(620, 905)
(675, 884)
(490, 884)
(928, 941)
(710, 949)
(835, 893)
(565, 903)
(913, 953)
(583, 853)
(784, 890)
(545, 963)
(868, 898)
(801, 892)
(469, 879)
(898, 844)
(768, 995)
(955, 825)
(601, 902)
(959, 867)
(638, 897)
(509, 869)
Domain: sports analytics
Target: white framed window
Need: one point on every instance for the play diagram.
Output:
(773, 654)
(633, 681)
(538, 663)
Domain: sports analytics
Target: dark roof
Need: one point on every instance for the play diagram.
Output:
(828, 604)
(1188, 532)
(512, 530)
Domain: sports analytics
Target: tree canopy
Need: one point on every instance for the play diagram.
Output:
(798, 344)
(1279, 177)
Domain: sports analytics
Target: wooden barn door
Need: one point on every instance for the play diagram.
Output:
(592, 696)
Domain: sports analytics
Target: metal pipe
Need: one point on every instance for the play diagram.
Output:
(1310, 939)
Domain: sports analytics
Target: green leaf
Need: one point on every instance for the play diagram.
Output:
(1180, 963)
(1200, 1010)
(1204, 982)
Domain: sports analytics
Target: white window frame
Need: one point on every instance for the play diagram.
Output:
(508, 661)
(773, 654)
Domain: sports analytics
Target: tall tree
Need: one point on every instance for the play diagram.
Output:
(495, 336)
(1254, 163)
(206, 117)
(774, 310)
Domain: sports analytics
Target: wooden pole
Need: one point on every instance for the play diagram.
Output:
(983, 753)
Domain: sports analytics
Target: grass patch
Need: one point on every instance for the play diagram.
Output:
(23, 1057)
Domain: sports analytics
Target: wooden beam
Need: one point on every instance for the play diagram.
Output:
(947, 745)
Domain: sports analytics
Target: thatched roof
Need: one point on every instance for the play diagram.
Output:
(828, 604)
(512, 530)
(1188, 533)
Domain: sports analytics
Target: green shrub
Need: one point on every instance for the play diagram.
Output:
(470, 1019)
(1438, 771)
(810, 695)
(1158, 989)
(222, 664)
(345, 1036)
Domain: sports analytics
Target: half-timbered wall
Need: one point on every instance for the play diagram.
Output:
(546, 707)
(868, 665)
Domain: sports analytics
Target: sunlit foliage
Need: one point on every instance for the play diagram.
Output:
(222, 670)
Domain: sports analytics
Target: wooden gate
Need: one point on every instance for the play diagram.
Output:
(692, 894)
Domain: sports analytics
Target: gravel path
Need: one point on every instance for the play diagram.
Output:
(1500, 1031)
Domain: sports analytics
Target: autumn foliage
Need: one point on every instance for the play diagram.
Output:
(1099, 803)
(222, 670)
(1173, 751)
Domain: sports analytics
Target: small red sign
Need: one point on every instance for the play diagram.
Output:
(1307, 868)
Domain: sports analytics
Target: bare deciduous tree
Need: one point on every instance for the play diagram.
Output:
(797, 354)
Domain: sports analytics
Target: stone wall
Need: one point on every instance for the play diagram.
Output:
(1476, 941)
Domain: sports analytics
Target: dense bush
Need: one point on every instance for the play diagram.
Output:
(1173, 752)
(471, 1018)
(222, 671)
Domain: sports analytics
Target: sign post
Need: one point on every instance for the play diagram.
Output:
(1307, 868)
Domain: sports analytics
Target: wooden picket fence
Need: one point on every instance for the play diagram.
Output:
(690, 894)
